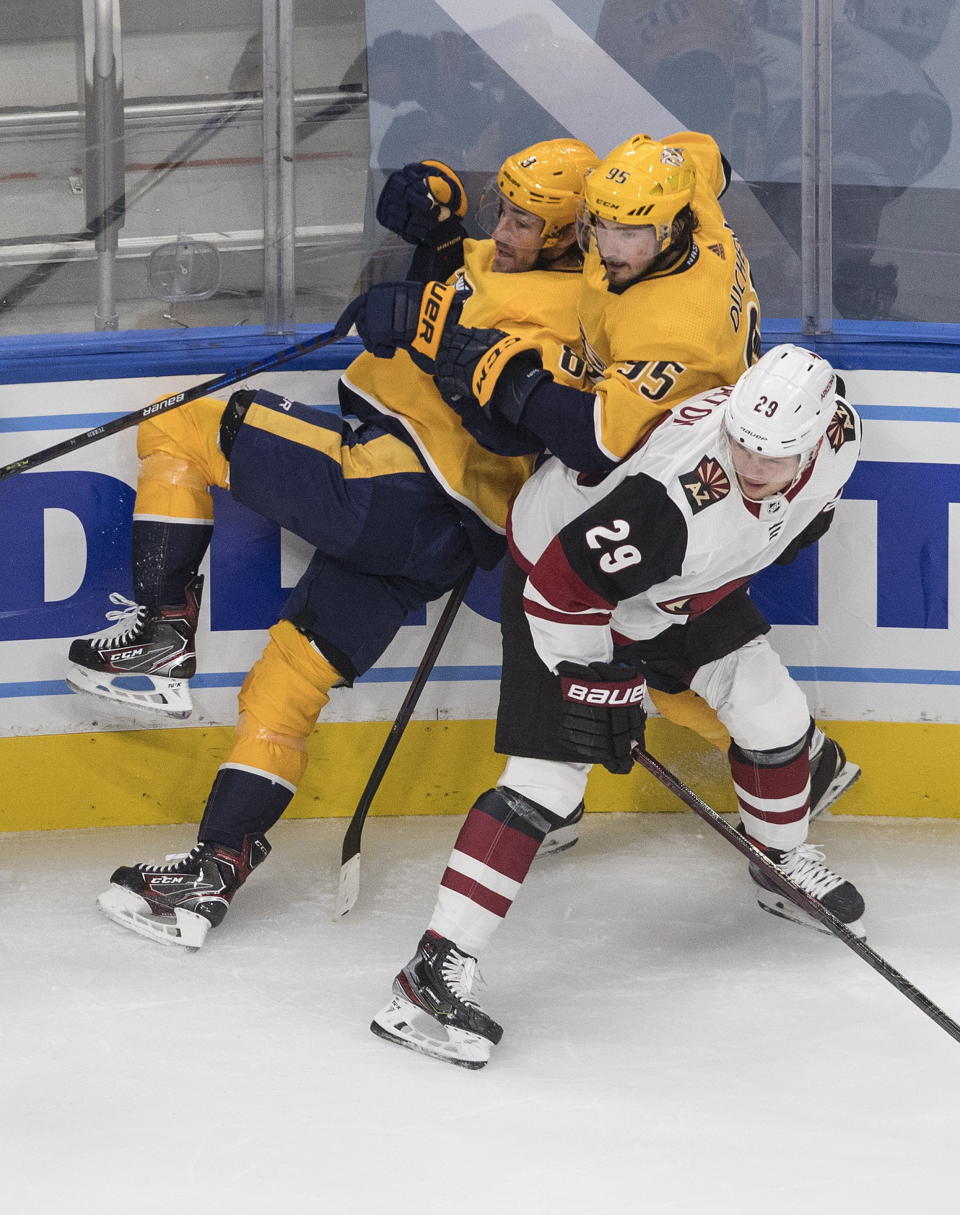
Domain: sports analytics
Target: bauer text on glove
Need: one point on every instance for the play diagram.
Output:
(603, 715)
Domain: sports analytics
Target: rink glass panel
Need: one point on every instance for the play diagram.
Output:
(375, 85)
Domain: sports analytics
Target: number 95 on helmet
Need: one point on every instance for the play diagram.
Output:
(641, 183)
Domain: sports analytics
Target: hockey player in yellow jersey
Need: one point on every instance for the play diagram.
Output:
(666, 309)
(524, 280)
(399, 505)
(667, 305)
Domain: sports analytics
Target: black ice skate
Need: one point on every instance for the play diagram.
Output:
(178, 903)
(804, 866)
(432, 997)
(147, 647)
(831, 775)
(563, 837)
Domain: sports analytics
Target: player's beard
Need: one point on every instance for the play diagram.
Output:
(508, 259)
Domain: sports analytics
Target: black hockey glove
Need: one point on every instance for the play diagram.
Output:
(408, 316)
(423, 203)
(487, 368)
(603, 714)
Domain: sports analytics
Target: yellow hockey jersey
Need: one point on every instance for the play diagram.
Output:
(539, 305)
(679, 331)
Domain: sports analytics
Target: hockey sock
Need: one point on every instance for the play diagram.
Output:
(774, 797)
(242, 802)
(494, 850)
(166, 557)
(280, 700)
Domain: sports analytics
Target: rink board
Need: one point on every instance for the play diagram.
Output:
(867, 622)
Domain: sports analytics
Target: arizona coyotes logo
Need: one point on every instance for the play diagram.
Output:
(699, 601)
(708, 483)
(842, 427)
(677, 607)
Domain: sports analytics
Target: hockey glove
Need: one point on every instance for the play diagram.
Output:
(487, 368)
(423, 203)
(409, 316)
(603, 715)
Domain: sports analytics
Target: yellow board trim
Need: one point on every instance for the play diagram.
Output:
(144, 777)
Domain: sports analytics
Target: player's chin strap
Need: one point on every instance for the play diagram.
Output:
(793, 892)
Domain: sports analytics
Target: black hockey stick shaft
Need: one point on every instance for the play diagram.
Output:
(793, 892)
(350, 851)
(174, 401)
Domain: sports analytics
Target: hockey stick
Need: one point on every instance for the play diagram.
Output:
(349, 887)
(793, 892)
(174, 401)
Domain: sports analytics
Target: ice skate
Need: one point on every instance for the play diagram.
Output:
(563, 837)
(433, 1010)
(804, 866)
(178, 903)
(831, 775)
(150, 648)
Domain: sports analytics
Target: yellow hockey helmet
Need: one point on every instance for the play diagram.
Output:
(546, 180)
(640, 183)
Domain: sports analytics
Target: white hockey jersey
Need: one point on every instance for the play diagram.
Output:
(664, 536)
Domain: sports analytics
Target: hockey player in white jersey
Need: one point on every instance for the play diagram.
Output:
(633, 577)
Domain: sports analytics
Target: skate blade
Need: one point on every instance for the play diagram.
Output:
(184, 928)
(558, 841)
(848, 775)
(776, 904)
(167, 698)
(399, 1023)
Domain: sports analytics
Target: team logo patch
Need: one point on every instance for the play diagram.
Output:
(842, 427)
(708, 483)
(677, 607)
(672, 156)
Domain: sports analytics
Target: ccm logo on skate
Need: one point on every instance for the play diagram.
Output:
(610, 694)
(125, 654)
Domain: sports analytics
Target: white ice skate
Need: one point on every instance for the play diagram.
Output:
(145, 660)
(129, 910)
(804, 866)
(433, 1010)
(831, 775)
(179, 902)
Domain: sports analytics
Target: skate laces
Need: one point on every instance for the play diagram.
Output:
(178, 862)
(804, 865)
(127, 622)
(459, 972)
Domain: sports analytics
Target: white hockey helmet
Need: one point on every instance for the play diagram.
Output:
(782, 405)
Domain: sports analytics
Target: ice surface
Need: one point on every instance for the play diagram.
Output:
(668, 1047)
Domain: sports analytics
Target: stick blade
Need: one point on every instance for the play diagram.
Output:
(349, 887)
